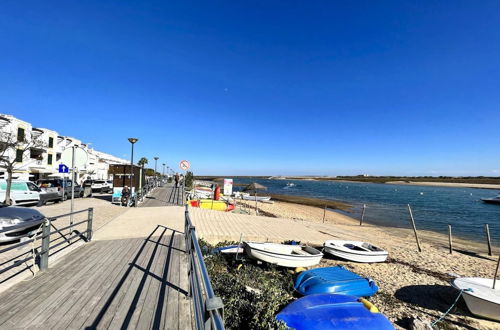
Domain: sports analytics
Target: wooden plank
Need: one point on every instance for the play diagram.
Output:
(170, 317)
(53, 305)
(34, 300)
(15, 295)
(91, 290)
(143, 315)
(132, 300)
(185, 303)
(104, 313)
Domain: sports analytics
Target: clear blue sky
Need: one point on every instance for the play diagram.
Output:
(264, 87)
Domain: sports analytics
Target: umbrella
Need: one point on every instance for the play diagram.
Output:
(254, 187)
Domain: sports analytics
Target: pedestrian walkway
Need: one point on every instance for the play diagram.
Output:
(128, 283)
(168, 195)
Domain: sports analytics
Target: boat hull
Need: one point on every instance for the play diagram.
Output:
(337, 280)
(332, 311)
(283, 258)
(259, 198)
(491, 200)
(482, 301)
(337, 249)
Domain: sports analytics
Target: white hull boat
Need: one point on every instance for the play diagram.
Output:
(284, 255)
(258, 198)
(355, 251)
(479, 295)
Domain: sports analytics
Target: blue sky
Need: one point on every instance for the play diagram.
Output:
(264, 87)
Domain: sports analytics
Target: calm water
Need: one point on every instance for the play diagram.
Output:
(433, 207)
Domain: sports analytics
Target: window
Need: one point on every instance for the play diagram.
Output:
(20, 134)
(49, 159)
(19, 155)
(51, 142)
(32, 187)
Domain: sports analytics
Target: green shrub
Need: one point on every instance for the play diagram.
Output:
(252, 294)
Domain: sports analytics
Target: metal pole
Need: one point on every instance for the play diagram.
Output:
(487, 229)
(450, 239)
(89, 224)
(324, 214)
(73, 179)
(131, 174)
(414, 228)
(362, 215)
(44, 253)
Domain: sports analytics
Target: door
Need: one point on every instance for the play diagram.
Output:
(19, 192)
(33, 191)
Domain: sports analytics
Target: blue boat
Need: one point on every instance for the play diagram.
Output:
(336, 280)
(333, 311)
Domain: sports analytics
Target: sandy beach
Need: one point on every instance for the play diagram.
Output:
(412, 284)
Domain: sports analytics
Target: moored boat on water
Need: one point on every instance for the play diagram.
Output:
(494, 200)
(480, 297)
(258, 198)
(283, 255)
(355, 251)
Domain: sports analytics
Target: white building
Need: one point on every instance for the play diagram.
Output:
(36, 163)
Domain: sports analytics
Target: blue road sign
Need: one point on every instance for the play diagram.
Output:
(63, 168)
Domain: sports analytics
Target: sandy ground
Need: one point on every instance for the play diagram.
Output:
(448, 184)
(411, 283)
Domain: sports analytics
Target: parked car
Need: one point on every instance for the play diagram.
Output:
(11, 216)
(21, 192)
(58, 185)
(101, 186)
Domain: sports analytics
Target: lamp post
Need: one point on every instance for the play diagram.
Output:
(163, 173)
(132, 141)
(156, 160)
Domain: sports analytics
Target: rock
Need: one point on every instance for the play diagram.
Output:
(420, 324)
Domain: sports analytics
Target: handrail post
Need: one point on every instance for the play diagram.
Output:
(44, 253)
(89, 224)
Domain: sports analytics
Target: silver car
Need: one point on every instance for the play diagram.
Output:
(11, 216)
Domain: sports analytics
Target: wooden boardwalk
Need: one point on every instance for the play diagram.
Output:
(168, 195)
(127, 283)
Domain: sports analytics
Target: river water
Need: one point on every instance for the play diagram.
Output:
(386, 204)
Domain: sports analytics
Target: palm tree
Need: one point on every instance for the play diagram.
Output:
(143, 161)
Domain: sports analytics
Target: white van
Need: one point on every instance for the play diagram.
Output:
(21, 192)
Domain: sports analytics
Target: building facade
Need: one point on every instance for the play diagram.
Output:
(42, 160)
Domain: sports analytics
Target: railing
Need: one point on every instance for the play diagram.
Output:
(43, 232)
(208, 309)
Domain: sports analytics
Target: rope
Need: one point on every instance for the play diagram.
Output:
(451, 307)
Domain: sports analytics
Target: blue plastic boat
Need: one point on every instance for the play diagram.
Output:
(336, 280)
(333, 311)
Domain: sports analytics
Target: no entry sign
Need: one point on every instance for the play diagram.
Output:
(184, 165)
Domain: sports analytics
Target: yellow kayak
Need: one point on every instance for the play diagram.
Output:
(211, 205)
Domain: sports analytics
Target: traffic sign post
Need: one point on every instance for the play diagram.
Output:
(63, 169)
(184, 165)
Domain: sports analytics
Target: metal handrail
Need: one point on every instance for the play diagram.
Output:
(208, 308)
(45, 225)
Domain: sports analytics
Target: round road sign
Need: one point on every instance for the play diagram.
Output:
(184, 165)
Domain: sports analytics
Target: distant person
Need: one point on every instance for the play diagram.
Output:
(87, 187)
(176, 180)
(125, 195)
(181, 179)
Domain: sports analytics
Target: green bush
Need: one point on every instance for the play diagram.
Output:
(252, 294)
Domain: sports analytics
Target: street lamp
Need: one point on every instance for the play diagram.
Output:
(132, 141)
(156, 160)
(163, 174)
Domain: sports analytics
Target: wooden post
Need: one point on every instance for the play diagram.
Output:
(256, 208)
(362, 215)
(450, 239)
(414, 228)
(496, 273)
(324, 214)
(44, 253)
(487, 229)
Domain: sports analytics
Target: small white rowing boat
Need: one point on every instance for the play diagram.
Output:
(479, 295)
(355, 251)
(284, 255)
(258, 198)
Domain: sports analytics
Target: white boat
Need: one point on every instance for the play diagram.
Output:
(258, 198)
(283, 255)
(355, 251)
(479, 295)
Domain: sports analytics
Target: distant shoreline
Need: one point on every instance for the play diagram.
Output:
(448, 184)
